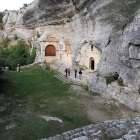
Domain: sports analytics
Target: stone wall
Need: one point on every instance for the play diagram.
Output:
(28, 66)
(114, 130)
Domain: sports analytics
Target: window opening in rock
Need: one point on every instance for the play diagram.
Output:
(91, 47)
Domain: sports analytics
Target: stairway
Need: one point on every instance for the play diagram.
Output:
(68, 80)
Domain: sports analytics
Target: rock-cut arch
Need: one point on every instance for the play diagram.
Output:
(50, 50)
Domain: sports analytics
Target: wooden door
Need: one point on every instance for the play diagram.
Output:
(50, 51)
(91, 63)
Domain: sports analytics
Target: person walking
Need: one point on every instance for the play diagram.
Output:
(80, 74)
(69, 71)
(75, 73)
(66, 71)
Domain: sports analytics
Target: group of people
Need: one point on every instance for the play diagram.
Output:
(67, 70)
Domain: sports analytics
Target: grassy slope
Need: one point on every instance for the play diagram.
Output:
(30, 89)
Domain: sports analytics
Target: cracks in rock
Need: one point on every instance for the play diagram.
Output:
(137, 45)
(123, 28)
(109, 41)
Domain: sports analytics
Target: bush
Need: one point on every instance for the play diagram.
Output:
(1, 65)
(109, 80)
(12, 30)
(15, 37)
(38, 35)
(5, 42)
(1, 22)
(31, 59)
(120, 81)
(14, 55)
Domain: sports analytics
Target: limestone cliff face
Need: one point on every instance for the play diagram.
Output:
(111, 26)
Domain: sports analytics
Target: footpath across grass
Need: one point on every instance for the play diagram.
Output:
(34, 92)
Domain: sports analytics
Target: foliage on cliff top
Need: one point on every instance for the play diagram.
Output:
(121, 12)
(5, 42)
(1, 22)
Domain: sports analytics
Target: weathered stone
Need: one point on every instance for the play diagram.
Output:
(121, 127)
(96, 84)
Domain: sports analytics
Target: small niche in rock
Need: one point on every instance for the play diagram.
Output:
(115, 76)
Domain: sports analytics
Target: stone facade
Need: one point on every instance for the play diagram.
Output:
(89, 56)
(62, 50)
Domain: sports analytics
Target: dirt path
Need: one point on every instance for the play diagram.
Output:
(100, 109)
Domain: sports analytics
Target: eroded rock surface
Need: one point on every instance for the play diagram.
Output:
(111, 26)
(115, 130)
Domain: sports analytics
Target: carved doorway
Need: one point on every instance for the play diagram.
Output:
(91, 63)
(50, 51)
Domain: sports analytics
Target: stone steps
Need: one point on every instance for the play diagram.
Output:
(67, 80)
(123, 129)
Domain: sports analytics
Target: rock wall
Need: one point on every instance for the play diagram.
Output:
(114, 130)
(111, 26)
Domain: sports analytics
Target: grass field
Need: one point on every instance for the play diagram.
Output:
(33, 92)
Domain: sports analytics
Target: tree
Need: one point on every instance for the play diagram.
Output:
(18, 54)
(31, 59)
(5, 42)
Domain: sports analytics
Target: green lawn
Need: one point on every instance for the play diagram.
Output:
(35, 92)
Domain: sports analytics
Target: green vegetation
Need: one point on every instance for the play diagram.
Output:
(120, 81)
(16, 54)
(5, 42)
(121, 12)
(34, 92)
(12, 30)
(15, 37)
(109, 80)
(32, 56)
(1, 64)
(90, 92)
(38, 35)
(1, 22)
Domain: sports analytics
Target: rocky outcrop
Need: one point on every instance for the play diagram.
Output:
(109, 25)
(123, 94)
(114, 130)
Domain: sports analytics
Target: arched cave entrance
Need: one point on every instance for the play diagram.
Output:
(91, 63)
(50, 50)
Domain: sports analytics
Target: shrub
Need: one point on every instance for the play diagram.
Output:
(120, 81)
(15, 54)
(1, 65)
(32, 56)
(5, 42)
(109, 80)
(15, 37)
(12, 30)
(38, 35)
(1, 22)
